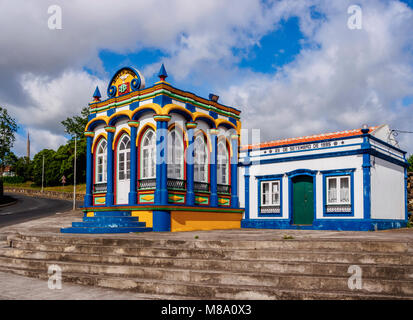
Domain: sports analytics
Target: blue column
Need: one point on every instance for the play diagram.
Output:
(247, 192)
(88, 201)
(133, 162)
(213, 168)
(234, 172)
(161, 218)
(190, 195)
(110, 163)
(366, 175)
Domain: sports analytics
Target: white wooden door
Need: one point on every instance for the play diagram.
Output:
(123, 170)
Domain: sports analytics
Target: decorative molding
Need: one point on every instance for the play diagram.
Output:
(161, 118)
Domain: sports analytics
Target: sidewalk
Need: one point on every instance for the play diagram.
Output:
(15, 287)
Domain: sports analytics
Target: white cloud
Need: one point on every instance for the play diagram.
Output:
(356, 77)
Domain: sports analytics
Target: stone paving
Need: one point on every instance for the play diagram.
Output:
(22, 288)
(15, 287)
(51, 226)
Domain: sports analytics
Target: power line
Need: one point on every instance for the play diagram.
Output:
(400, 131)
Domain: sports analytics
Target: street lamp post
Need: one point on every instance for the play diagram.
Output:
(74, 180)
(42, 172)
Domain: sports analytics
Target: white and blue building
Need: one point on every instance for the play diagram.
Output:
(349, 180)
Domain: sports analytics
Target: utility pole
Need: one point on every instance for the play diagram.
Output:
(42, 173)
(74, 180)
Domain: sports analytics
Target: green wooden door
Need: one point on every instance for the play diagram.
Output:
(303, 200)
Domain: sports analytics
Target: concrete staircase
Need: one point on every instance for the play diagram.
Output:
(218, 269)
(108, 222)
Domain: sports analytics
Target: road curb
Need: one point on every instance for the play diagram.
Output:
(8, 204)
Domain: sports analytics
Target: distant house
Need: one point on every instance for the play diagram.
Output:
(8, 172)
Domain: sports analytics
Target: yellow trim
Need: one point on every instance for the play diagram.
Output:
(198, 114)
(126, 130)
(144, 216)
(169, 107)
(208, 140)
(119, 113)
(103, 118)
(147, 197)
(228, 145)
(143, 129)
(90, 214)
(193, 220)
(153, 106)
(100, 200)
(185, 135)
(95, 141)
(219, 122)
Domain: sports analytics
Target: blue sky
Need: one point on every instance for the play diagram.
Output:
(292, 67)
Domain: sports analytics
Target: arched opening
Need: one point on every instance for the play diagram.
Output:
(201, 165)
(147, 161)
(223, 168)
(123, 169)
(100, 178)
(175, 155)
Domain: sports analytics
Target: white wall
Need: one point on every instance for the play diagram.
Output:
(347, 162)
(387, 190)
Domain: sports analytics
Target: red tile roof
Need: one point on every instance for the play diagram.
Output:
(313, 138)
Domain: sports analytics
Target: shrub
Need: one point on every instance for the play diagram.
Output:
(13, 180)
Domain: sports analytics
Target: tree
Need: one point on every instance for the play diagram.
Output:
(23, 168)
(51, 168)
(8, 127)
(410, 161)
(76, 126)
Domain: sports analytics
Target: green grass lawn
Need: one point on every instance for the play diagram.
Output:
(80, 188)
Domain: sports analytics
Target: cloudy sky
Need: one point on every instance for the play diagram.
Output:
(292, 67)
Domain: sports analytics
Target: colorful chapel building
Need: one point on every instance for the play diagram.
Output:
(159, 159)
(164, 159)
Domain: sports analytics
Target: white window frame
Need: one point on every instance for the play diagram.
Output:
(173, 153)
(198, 154)
(270, 193)
(151, 151)
(222, 179)
(338, 190)
(126, 162)
(101, 156)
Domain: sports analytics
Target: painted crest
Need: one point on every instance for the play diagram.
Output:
(124, 81)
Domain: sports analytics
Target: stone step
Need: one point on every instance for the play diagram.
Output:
(392, 272)
(280, 281)
(111, 219)
(109, 224)
(141, 296)
(97, 230)
(249, 255)
(203, 290)
(113, 213)
(276, 244)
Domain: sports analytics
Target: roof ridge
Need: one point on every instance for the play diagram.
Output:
(306, 138)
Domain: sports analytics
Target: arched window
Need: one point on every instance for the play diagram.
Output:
(124, 158)
(101, 162)
(200, 159)
(148, 155)
(222, 163)
(175, 155)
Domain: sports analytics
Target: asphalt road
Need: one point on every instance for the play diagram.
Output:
(28, 208)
